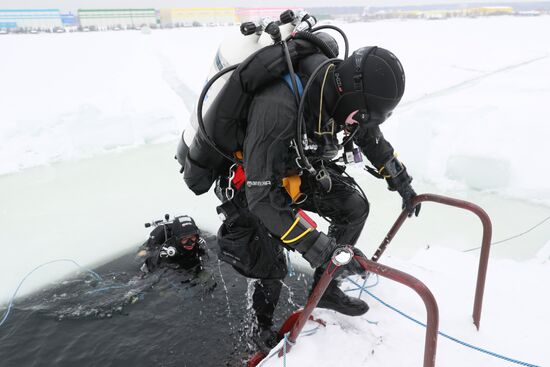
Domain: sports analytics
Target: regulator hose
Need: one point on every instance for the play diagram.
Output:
(337, 29)
(300, 118)
(350, 136)
(202, 129)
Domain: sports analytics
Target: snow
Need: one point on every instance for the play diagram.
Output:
(89, 128)
(468, 102)
(513, 322)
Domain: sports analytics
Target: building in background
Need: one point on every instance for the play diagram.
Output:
(343, 13)
(30, 19)
(116, 18)
(187, 17)
(255, 14)
(69, 20)
(490, 10)
(435, 12)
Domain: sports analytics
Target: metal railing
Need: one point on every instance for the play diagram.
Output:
(420, 288)
(485, 242)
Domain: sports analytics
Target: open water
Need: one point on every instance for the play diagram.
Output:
(168, 318)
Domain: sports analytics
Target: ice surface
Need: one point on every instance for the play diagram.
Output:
(473, 124)
(513, 323)
(479, 172)
(470, 93)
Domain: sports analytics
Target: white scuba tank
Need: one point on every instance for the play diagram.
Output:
(233, 50)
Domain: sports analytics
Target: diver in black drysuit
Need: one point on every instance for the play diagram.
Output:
(360, 93)
(176, 245)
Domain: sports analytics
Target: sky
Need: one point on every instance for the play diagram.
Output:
(75, 4)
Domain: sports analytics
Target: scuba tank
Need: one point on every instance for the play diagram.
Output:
(209, 151)
(232, 51)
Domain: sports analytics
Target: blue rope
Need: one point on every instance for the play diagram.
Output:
(364, 287)
(10, 303)
(284, 349)
(303, 333)
(493, 354)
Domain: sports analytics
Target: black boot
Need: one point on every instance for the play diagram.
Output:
(264, 300)
(265, 339)
(335, 299)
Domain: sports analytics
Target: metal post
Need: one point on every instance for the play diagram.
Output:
(432, 311)
(312, 302)
(485, 243)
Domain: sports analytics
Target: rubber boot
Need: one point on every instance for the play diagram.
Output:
(265, 339)
(264, 300)
(335, 299)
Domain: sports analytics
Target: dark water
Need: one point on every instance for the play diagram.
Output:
(168, 318)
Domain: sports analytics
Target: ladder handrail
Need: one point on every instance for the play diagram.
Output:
(485, 242)
(420, 288)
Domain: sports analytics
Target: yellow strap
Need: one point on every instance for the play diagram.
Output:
(298, 237)
(291, 228)
(319, 132)
(292, 185)
(382, 170)
(384, 167)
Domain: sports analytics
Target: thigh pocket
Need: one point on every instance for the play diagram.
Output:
(251, 251)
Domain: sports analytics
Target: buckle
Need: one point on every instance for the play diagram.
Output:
(324, 179)
(228, 191)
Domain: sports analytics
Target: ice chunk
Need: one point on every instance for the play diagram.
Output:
(480, 173)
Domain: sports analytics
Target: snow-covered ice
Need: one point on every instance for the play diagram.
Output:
(88, 128)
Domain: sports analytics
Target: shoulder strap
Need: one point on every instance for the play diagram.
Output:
(288, 81)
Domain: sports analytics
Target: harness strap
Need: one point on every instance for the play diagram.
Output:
(288, 81)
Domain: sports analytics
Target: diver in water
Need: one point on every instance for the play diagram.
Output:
(177, 245)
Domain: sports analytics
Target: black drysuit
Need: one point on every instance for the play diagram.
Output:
(162, 236)
(268, 158)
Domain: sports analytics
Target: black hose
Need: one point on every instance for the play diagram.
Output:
(300, 117)
(202, 129)
(295, 90)
(339, 30)
(323, 46)
(350, 136)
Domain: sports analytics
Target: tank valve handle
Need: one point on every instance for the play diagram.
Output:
(307, 22)
(287, 17)
(248, 28)
(273, 30)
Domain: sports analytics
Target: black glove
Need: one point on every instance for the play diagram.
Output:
(399, 180)
(407, 193)
(153, 261)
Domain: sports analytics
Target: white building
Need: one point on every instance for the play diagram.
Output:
(255, 14)
(198, 16)
(30, 18)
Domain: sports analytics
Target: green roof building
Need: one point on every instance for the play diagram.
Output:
(110, 18)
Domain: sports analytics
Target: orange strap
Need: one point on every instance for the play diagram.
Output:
(292, 185)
